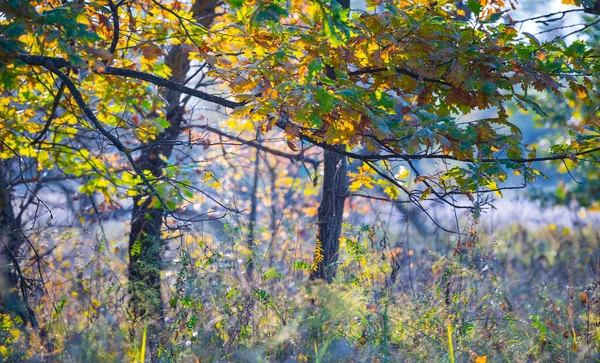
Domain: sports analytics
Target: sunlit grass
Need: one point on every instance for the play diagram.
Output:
(520, 295)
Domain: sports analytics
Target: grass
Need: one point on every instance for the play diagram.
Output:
(518, 296)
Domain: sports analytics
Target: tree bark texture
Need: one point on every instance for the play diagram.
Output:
(330, 216)
(331, 210)
(13, 289)
(145, 242)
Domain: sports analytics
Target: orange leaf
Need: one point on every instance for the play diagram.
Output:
(584, 299)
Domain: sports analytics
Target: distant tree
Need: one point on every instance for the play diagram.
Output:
(572, 117)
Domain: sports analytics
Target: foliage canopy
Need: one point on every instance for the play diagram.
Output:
(390, 85)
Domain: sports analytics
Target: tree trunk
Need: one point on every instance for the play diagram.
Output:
(145, 242)
(330, 216)
(331, 209)
(250, 241)
(13, 289)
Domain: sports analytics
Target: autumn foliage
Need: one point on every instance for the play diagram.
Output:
(160, 171)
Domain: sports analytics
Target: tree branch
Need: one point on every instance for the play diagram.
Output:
(113, 139)
(58, 63)
(282, 122)
(114, 8)
(259, 146)
(403, 71)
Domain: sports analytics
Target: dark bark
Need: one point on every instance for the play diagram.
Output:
(54, 64)
(13, 286)
(345, 3)
(331, 210)
(145, 242)
(145, 248)
(250, 242)
(330, 216)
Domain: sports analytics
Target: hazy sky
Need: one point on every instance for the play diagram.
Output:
(531, 8)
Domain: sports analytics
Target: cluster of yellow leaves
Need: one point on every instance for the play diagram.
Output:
(11, 333)
(366, 177)
(131, 108)
(287, 70)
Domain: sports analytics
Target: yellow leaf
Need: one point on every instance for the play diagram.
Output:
(207, 176)
(309, 190)
(355, 185)
(310, 211)
(402, 173)
(391, 191)
(482, 359)
(493, 186)
(16, 333)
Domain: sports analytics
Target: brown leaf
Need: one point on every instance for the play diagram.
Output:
(103, 20)
(292, 146)
(152, 51)
(292, 130)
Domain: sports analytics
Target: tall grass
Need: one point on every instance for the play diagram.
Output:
(517, 296)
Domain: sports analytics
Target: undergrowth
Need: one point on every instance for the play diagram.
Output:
(518, 296)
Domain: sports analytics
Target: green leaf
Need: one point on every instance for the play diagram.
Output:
(532, 39)
(325, 99)
(523, 102)
(301, 265)
(314, 67)
(162, 122)
(475, 6)
(576, 49)
(236, 4)
(351, 95)
(495, 17)
(171, 204)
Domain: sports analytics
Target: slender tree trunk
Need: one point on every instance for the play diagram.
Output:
(13, 289)
(251, 244)
(330, 216)
(274, 218)
(145, 243)
(331, 210)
